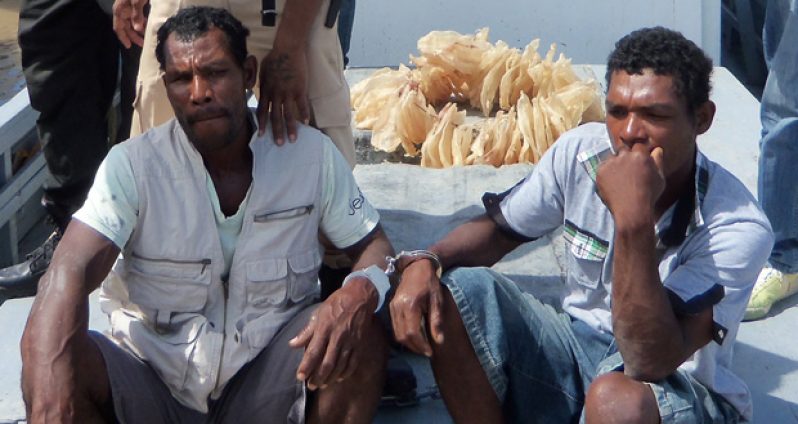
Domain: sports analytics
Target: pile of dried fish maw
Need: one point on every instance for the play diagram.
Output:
(536, 99)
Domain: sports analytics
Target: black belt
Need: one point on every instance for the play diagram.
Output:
(268, 13)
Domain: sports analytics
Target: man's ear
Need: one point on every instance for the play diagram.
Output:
(704, 115)
(250, 71)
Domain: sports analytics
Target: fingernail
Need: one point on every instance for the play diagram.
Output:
(292, 137)
(301, 376)
(340, 379)
(306, 121)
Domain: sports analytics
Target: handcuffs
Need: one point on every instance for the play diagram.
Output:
(396, 265)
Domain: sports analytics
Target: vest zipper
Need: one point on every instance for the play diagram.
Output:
(224, 335)
(204, 262)
(284, 214)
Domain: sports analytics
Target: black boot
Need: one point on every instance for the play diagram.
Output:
(22, 279)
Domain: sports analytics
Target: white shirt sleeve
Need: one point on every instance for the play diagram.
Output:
(346, 216)
(111, 206)
(535, 207)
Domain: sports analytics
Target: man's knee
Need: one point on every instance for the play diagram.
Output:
(452, 320)
(355, 398)
(451, 313)
(373, 365)
(616, 398)
(456, 340)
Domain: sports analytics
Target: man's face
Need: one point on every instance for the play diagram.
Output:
(206, 88)
(646, 109)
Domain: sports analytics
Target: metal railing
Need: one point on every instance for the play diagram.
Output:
(18, 187)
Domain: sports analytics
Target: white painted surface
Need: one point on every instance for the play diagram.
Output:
(385, 31)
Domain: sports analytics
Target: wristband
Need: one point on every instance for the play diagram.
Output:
(378, 279)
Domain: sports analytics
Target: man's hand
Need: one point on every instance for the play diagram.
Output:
(129, 21)
(631, 180)
(334, 338)
(283, 92)
(418, 301)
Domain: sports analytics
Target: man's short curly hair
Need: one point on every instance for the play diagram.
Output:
(666, 52)
(193, 22)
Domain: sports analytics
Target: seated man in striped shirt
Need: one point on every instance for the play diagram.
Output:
(663, 247)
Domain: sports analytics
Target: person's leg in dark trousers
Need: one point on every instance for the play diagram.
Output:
(70, 58)
(346, 19)
(127, 90)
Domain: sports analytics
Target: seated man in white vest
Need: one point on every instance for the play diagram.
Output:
(213, 302)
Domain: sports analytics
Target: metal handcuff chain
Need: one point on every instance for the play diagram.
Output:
(397, 264)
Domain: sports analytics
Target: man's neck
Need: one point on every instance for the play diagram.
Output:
(234, 157)
(230, 170)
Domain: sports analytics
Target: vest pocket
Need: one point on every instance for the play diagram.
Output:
(166, 289)
(585, 272)
(304, 274)
(587, 254)
(275, 281)
(267, 282)
(284, 214)
(257, 333)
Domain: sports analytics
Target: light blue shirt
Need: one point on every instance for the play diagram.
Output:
(711, 243)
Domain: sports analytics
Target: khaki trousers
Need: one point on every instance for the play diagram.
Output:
(327, 88)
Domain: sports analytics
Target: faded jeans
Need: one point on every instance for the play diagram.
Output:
(540, 362)
(778, 186)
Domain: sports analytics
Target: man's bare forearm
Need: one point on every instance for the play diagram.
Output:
(53, 347)
(371, 251)
(647, 331)
(59, 316)
(478, 242)
(294, 28)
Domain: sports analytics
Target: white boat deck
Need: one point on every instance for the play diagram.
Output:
(415, 213)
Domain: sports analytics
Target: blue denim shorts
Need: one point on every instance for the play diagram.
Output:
(540, 362)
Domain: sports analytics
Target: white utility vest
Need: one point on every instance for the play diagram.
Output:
(165, 296)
